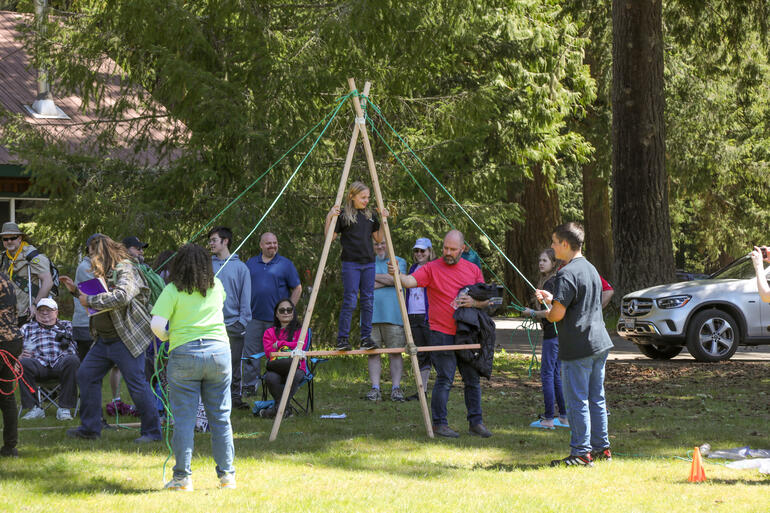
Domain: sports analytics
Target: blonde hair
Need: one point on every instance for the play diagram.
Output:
(349, 210)
(105, 255)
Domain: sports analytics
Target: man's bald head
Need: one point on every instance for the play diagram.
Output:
(455, 235)
(268, 243)
(453, 247)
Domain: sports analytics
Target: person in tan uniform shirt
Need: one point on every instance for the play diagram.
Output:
(22, 261)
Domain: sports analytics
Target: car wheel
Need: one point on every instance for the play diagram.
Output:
(713, 336)
(659, 352)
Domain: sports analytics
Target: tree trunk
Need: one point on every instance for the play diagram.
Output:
(524, 241)
(596, 220)
(640, 213)
(596, 174)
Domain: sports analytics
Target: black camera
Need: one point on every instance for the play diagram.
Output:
(62, 337)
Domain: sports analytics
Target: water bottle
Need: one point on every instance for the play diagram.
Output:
(463, 291)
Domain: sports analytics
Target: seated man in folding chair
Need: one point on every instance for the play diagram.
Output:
(49, 353)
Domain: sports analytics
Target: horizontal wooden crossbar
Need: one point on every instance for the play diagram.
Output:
(386, 350)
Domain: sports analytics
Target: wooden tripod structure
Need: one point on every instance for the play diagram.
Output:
(360, 129)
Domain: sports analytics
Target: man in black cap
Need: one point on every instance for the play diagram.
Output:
(135, 248)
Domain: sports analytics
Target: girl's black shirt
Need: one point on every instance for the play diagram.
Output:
(549, 330)
(356, 238)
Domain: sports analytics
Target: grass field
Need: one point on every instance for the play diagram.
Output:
(379, 458)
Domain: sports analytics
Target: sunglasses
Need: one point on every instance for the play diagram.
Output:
(286, 310)
(8, 239)
(417, 250)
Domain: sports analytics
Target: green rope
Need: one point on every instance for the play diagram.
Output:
(163, 398)
(288, 182)
(333, 112)
(441, 213)
(529, 325)
(462, 209)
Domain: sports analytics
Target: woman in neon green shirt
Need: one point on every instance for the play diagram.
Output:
(198, 363)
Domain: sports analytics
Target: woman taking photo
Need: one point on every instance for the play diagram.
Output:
(122, 333)
(198, 362)
(278, 343)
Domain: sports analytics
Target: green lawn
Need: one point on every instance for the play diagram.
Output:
(379, 458)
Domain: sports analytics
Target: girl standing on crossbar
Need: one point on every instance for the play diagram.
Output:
(357, 224)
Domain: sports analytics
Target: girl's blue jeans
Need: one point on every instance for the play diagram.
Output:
(357, 278)
(549, 377)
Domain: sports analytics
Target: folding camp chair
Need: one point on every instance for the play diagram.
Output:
(47, 395)
(308, 381)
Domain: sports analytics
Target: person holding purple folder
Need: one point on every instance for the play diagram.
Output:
(122, 334)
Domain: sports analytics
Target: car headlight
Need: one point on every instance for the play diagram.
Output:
(673, 302)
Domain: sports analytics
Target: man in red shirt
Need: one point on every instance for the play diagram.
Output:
(443, 279)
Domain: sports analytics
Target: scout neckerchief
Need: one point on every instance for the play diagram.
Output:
(14, 257)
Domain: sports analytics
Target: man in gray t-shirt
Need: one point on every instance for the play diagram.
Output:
(576, 308)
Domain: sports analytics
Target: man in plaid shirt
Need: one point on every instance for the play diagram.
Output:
(49, 353)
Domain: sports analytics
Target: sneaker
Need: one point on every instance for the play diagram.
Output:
(446, 431)
(9, 452)
(35, 413)
(603, 454)
(374, 395)
(368, 344)
(227, 481)
(82, 434)
(574, 461)
(543, 424)
(63, 414)
(268, 413)
(343, 344)
(397, 395)
(479, 430)
(180, 484)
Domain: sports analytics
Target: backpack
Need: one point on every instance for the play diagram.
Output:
(31, 288)
(51, 268)
(154, 282)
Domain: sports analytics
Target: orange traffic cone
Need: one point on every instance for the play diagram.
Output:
(697, 475)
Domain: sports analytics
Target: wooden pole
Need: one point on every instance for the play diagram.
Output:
(322, 263)
(392, 350)
(392, 256)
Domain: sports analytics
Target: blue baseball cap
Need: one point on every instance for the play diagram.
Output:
(422, 243)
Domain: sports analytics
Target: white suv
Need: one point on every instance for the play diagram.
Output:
(711, 317)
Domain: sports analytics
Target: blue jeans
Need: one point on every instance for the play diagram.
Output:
(586, 409)
(101, 358)
(549, 377)
(201, 368)
(357, 278)
(445, 363)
